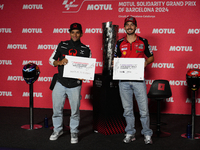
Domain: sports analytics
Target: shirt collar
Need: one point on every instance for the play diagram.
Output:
(137, 38)
(76, 42)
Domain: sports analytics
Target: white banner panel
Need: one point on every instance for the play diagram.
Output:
(79, 67)
(128, 69)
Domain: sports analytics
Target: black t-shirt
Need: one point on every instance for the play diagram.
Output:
(74, 49)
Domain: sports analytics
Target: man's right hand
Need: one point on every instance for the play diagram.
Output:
(63, 61)
(60, 63)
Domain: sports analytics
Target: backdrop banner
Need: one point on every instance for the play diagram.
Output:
(30, 31)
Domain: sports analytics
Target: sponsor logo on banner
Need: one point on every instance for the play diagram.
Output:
(35, 94)
(154, 48)
(16, 46)
(171, 82)
(163, 31)
(1, 6)
(169, 100)
(32, 6)
(93, 30)
(20, 78)
(149, 82)
(39, 63)
(99, 64)
(178, 83)
(5, 30)
(193, 31)
(162, 65)
(5, 62)
(32, 30)
(88, 96)
(193, 66)
(99, 7)
(86, 81)
(61, 30)
(5, 93)
(99, 30)
(45, 79)
(47, 46)
(181, 48)
(15, 78)
(121, 30)
(188, 100)
(71, 6)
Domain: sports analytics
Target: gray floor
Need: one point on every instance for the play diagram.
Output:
(13, 137)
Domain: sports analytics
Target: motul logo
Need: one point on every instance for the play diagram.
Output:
(99, 64)
(35, 94)
(163, 31)
(193, 66)
(32, 30)
(5, 62)
(61, 30)
(1, 6)
(181, 48)
(20, 78)
(32, 6)
(193, 31)
(5, 30)
(121, 30)
(188, 100)
(163, 65)
(16, 46)
(100, 7)
(47, 47)
(39, 63)
(93, 30)
(15, 78)
(177, 83)
(5, 93)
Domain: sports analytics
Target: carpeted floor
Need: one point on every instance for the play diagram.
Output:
(13, 137)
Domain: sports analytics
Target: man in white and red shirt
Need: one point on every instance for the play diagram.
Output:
(133, 46)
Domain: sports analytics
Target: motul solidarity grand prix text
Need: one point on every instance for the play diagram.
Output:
(152, 6)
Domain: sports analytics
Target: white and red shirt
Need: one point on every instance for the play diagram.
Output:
(137, 49)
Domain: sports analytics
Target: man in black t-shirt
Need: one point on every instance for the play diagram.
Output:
(67, 87)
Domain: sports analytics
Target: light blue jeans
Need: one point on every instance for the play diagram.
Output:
(59, 95)
(138, 88)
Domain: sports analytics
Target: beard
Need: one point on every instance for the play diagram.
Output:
(131, 33)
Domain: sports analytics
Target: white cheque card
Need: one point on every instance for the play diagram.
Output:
(79, 67)
(128, 69)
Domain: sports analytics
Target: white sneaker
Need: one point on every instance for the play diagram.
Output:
(148, 140)
(55, 135)
(74, 138)
(129, 138)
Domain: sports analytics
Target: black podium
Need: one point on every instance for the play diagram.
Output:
(107, 107)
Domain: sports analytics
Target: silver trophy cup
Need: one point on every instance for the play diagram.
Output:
(110, 36)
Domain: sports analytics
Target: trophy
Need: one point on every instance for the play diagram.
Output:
(110, 36)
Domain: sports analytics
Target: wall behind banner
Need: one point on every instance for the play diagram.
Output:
(31, 29)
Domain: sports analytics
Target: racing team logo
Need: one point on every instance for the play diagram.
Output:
(75, 26)
(69, 4)
(73, 52)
